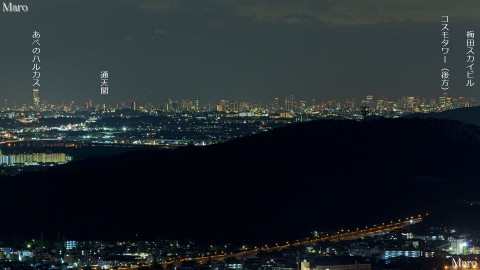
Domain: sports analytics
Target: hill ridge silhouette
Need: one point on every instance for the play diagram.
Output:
(275, 185)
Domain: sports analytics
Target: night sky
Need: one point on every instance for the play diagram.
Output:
(235, 49)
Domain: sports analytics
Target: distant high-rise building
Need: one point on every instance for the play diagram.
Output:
(289, 104)
(169, 105)
(89, 105)
(133, 105)
(444, 100)
(236, 106)
(196, 104)
(380, 104)
(70, 245)
(276, 104)
(36, 99)
(221, 106)
(411, 104)
(186, 105)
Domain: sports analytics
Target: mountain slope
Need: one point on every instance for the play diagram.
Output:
(271, 186)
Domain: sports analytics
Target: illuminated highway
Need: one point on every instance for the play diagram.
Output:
(333, 237)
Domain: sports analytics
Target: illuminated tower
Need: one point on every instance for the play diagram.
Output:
(36, 98)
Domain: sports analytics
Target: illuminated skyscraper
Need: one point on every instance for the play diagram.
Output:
(36, 98)
(221, 106)
(289, 104)
(196, 104)
(236, 107)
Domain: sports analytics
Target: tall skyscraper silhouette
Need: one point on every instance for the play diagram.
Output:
(36, 98)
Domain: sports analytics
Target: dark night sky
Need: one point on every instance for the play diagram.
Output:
(235, 49)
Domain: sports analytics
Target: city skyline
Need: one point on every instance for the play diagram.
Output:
(37, 101)
(209, 49)
(239, 134)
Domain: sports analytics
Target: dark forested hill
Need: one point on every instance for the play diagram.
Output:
(271, 186)
(468, 115)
